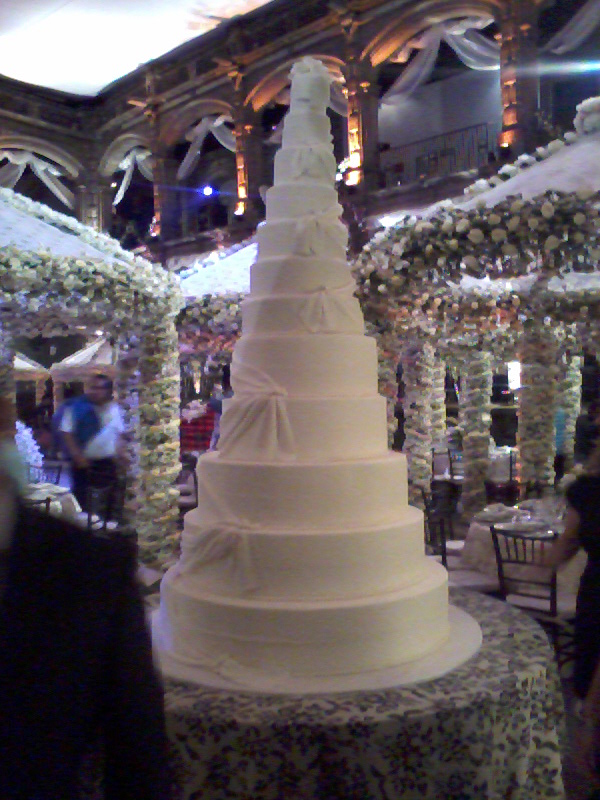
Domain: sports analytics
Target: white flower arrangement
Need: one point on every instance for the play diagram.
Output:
(27, 446)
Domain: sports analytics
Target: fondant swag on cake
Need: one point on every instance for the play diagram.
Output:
(303, 558)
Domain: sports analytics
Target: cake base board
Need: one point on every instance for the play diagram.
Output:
(463, 643)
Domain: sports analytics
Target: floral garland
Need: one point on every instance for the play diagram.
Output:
(438, 401)
(157, 513)
(570, 401)
(127, 379)
(539, 375)
(417, 361)
(475, 420)
(49, 295)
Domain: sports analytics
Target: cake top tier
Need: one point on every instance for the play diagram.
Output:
(311, 85)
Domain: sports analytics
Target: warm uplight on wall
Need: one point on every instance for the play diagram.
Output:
(352, 178)
(239, 208)
(506, 138)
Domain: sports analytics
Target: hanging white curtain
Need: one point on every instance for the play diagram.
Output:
(137, 156)
(49, 174)
(225, 136)
(420, 68)
(575, 32)
(211, 124)
(475, 50)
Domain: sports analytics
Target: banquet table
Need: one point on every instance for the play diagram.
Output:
(478, 554)
(491, 729)
(62, 501)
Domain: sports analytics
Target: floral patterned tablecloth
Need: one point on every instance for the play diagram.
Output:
(490, 730)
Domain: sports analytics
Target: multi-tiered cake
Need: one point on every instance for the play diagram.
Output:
(303, 557)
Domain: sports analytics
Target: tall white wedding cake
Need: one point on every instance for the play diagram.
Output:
(303, 557)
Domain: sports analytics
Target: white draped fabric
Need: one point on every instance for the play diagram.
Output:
(140, 157)
(474, 49)
(211, 124)
(576, 31)
(49, 174)
(258, 412)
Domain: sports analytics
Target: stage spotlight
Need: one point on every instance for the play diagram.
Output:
(208, 191)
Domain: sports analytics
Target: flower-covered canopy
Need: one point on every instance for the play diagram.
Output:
(516, 263)
(56, 276)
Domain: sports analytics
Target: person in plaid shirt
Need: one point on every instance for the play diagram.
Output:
(197, 423)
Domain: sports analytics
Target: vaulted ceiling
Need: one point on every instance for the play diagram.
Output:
(81, 46)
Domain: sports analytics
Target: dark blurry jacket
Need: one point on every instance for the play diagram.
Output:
(75, 662)
(586, 433)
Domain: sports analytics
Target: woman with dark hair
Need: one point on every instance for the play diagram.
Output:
(582, 530)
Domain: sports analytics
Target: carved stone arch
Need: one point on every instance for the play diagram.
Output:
(409, 22)
(276, 80)
(41, 147)
(175, 125)
(117, 150)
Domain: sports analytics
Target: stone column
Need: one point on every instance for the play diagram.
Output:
(248, 160)
(474, 410)
(94, 196)
(363, 134)
(539, 374)
(416, 365)
(519, 77)
(40, 388)
(166, 196)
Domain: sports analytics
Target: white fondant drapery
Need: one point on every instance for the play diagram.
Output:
(226, 540)
(257, 411)
(49, 174)
(324, 309)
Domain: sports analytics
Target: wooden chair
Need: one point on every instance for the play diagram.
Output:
(529, 584)
(188, 493)
(41, 505)
(44, 474)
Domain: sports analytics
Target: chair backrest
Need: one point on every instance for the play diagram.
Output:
(41, 505)
(522, 570)
(44, 474)
(435, 531)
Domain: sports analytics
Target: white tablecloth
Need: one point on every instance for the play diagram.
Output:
(62, 501)
(478, 553)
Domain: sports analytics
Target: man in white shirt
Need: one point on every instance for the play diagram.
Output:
(92, 428)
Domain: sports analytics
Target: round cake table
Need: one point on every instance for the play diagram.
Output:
(489, 730)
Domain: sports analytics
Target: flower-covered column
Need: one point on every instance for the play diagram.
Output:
(417, 361)
(7, 355)
(539, 375)
(438, 401)
(475, 419)
(156, 519)
(127, 391)
(569, 399)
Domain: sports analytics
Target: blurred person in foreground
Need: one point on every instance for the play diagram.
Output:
(11, 462)
(75, 662)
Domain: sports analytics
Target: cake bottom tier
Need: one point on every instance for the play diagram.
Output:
(232, 636)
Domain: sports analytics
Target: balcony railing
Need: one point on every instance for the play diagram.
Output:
(447, 154)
